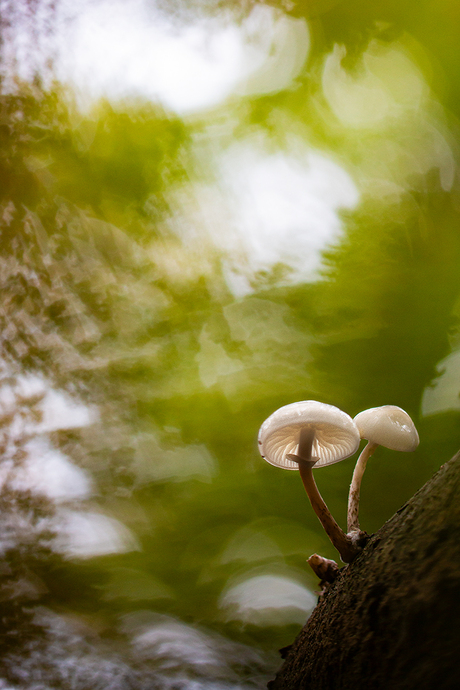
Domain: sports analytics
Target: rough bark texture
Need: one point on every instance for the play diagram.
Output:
(392, 618)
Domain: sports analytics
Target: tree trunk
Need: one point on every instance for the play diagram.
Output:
(392, 618)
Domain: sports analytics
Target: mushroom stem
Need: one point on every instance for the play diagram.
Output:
(355, 486)
(304, 459)
(339, 539)
(305, 447)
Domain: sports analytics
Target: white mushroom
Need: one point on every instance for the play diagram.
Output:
(306, 434)
(387, 426)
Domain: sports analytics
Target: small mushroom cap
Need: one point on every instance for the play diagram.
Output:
(388, 426)
(336, 435)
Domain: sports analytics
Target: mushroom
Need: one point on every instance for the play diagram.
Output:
(387, 426)
(306, 434)
(324, 568)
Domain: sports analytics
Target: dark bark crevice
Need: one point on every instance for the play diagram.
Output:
(392, 618)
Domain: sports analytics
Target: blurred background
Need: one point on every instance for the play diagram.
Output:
(209, 209)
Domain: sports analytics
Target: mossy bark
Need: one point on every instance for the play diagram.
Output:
(392, 618)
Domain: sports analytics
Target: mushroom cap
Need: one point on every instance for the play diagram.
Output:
(388, 426)
(336, 435)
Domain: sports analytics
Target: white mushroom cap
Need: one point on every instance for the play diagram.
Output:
(336, 435)
(388, 426)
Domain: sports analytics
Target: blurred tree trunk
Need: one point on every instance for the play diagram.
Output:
(392, 618)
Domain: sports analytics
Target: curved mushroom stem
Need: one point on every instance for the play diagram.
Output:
(355, 486)
(339, 539)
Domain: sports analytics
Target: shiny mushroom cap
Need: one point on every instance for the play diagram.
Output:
(388, 426)
(335, 434)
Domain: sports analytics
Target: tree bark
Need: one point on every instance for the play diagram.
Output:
(392, 618)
